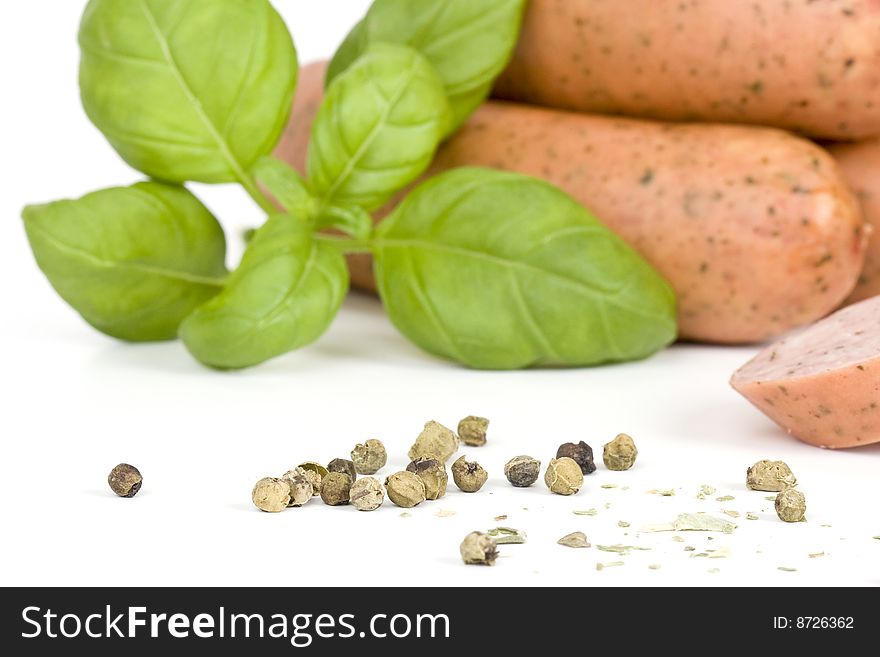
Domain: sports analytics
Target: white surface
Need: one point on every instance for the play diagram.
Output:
(76, 403)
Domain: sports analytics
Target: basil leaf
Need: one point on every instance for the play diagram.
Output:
(286, 186)
(469, 42)
(354, 45)
(377, 128)
(133, 261)
(283, 296)
(501, 271)
(187, 89)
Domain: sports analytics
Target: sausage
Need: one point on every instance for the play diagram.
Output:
(860, 164)
(753, 227)
(822, 383)
(807, 66)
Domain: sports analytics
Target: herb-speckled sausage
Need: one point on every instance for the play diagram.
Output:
(822, 384)
(755, 228)
(861, 166)
(805, 65)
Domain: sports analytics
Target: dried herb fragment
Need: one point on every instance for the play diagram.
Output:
(507, 535)
(770, 476)
(125, 480)
(433, 474)
(620, 549)
(336, 489)
(620, 454)
(609, 564)
(522, 471)
(435, 441)
(500, 518)
(662, 493)
(786, 569)
(271, 495)
(581, 453)
(816, 555)
(725, 498)
(586, 512)
(478, 549)
(406, 489)
(472, 430)
(574, 540)
(369, 457)
(367, 494)
(469, 476)
(705, 491)
(564, 476)
(699, 522)
(751, 516)
(608, 486)
(444, 513)
(791, 505)
(731, 513)
(654, 566)
(622, 523)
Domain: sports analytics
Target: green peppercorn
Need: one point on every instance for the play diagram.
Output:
(369, 457)
(522, 471)
(479, 549)
(468, 476)
(564, 476)
(406, 489)
(620, 453)
(472, 430)
(336, 489)
(271, 495)
(125, 480)
(433, 475)
(343, 465)
(367, 494)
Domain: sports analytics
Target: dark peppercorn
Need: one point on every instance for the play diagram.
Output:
(581, 453)
(343, 465)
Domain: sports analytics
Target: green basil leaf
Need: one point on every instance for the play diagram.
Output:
(377, 128)
(287, 187)
(283, 296)
(354, 45)
(133, 261)
(469, 42)
(501, 271)
(187, 89)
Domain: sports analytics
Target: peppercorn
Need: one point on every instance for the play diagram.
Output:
(472, 430)
(343, 465)
(367, 494)
(564, 476)
(436, 442)
(522, 471)
(315, 473)
(478, 549)
(271, 494)
(620, 453)
(125, 480)
(406, 489)
(791, 506)
(433, 475)
(336, 488)
(770, 476)
(581, 453)
(301, 490)
(468, 476)
(369, 457)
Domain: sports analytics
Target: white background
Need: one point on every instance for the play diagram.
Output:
(75, 403)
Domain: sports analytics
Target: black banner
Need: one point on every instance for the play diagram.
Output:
(122, 621)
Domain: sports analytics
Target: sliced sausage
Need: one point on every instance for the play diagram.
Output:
(804, 65)
(861, 166)
(822, 383)
(755, 228)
